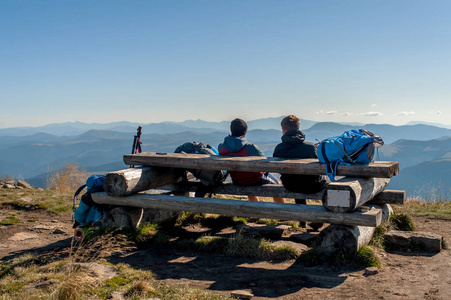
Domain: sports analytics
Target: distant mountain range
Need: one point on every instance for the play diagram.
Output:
(423, 151)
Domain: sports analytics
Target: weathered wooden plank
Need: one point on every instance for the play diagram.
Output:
(348, 193)
(270, 210)
(265, 190)
(382, 169)
(390, 197)
(133, 180)
(274, 190)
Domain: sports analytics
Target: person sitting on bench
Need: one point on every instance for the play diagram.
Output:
(236, 145)
(294, 146)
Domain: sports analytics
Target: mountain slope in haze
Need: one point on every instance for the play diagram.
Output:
(428, 180)
(410, 153)
(389, 133)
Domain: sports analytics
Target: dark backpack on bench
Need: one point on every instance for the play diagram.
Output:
(208, 178)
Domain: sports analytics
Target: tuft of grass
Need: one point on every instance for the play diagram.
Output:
(378, 236)
(67, 178)
(286, 252)
(367, 257)
(211, 244)
(187, 218)
(402, 221)
(10, 220)
(293, 225)
(240, 246)
(267, 221)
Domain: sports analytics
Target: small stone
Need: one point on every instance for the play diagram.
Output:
(23, 184)
(115, 296)
(26, 199)
(9, 186)
(371, 271)
(242, 294)
(58, 231)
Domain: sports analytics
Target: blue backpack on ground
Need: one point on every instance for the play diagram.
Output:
(88, 212)
(352, 147)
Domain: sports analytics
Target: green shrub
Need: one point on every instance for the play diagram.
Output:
(367, 257)
(402, 221)
(10, 220)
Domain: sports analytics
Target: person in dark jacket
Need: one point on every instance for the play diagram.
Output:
(236, 145)
(294, 146)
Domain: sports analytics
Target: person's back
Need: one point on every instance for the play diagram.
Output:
(294, 146)
(237, 145)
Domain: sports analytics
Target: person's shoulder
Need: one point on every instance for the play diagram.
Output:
(252, 149)
(277, 149)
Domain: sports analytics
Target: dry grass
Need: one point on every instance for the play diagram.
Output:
(67, 178)
(4, 178)
(430, 209)
(53, 201)
(65, 275)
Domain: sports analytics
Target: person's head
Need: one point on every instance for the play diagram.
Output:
(238, 127)
(290, 123)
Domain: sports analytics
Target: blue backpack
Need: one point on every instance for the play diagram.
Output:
(352, 147)
(88, 211)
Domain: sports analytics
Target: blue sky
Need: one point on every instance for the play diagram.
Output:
(152, 61)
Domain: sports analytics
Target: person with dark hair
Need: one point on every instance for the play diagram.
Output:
(236, 145)
(294, 146)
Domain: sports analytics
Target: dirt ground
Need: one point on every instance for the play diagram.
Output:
(402, 276)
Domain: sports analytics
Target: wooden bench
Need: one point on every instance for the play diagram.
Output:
(343, 200)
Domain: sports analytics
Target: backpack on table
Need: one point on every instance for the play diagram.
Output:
(208, 178)
(352, 147)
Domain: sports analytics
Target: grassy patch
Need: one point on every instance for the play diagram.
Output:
(367, 257)
(431, 209)
(402, 221)
(69, 283)
(267, 221)
(10, 220)
(54, 202)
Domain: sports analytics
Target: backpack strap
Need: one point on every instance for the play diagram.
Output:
(344, 152)
(77, 193)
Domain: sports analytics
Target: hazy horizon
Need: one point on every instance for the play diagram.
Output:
(194, 120)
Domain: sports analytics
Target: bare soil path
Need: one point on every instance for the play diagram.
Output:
(402, 276)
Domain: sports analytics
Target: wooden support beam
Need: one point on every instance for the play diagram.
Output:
(382, 169)
(274, 190)
(343, 240)
(309, 213)
(227, 188)
(346, 240)
(348, 193)
(390, 197)
(133, 180)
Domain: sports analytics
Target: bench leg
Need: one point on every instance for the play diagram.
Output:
(302, 224)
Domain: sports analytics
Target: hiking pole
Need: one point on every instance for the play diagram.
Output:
(137, 143)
